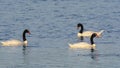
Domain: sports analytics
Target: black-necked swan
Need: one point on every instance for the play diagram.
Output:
(82, 33)
(14, 42)
(84, 45)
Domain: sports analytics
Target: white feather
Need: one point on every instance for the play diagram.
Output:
(82, 45)
(89, 33)
(13, 42)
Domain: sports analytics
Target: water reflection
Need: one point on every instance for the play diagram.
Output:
(85, 53)
(81, 39)
(94, 55)
(25, 55)
(24, 47)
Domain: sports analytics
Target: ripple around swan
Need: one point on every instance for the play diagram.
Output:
(100, 55)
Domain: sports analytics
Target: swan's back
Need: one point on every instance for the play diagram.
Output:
(86, 33)
(82, 45)
(12, 43)
(89, 33)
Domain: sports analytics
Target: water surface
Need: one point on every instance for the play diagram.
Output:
(53, 25)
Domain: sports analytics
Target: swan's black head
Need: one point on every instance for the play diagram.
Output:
(94, 35)
(26, 31)
(79, 25)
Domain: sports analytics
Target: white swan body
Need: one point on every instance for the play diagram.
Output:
(82, 45)
(89, 33)
(85, 45)
(13, 42)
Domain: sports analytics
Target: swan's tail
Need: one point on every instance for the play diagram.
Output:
(100, 33)
(69, 44)
(1, 43)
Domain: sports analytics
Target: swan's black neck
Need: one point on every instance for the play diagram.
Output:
(92, 42)
(92, 37)
(24, 36)
(80, 25)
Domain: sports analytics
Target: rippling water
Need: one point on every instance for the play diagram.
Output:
(53, 25)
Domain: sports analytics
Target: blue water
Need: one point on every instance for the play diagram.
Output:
(52, 24)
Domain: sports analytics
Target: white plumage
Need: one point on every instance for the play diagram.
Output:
(82, 45)
(13, 42)
(85, 45)
(89, 33)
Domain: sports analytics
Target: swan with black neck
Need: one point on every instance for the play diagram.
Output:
(82, 33)
(84, 45)
(14, 42)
